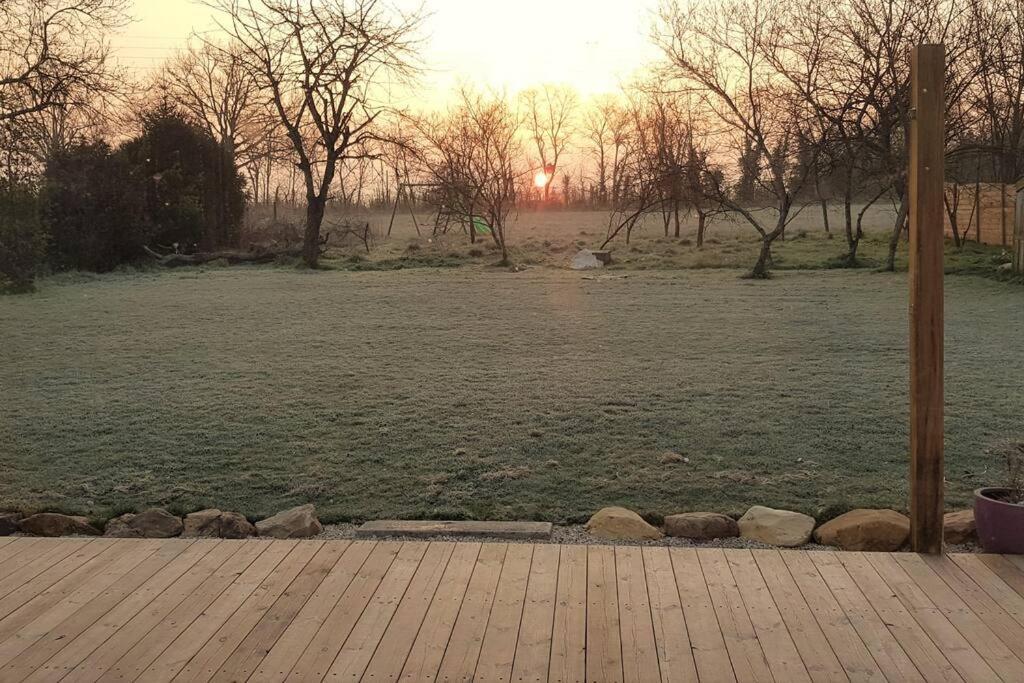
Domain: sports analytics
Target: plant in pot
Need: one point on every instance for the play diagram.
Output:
(999, 511)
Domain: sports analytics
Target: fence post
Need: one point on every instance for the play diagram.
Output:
(1018, 230)
(926, 297)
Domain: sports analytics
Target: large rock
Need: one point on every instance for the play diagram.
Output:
(153, 523)
(121, 527)
(204, 524)
(585, 260)
(880, 530)
(9, 522)
(299, 522)
(54, 524)
(958, 527)
(701, 526)
(776, 527)
(216, 524)
(616, 523)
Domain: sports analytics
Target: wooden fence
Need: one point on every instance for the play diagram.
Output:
(984, 212)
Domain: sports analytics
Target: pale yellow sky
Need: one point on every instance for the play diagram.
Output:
(592, 45)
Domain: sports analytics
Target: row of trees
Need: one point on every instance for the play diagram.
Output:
(758, 104)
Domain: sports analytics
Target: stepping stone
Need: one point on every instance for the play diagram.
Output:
(427, 529)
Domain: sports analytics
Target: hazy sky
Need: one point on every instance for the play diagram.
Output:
(592, 45)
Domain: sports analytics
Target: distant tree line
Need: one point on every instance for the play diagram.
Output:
(763, 109)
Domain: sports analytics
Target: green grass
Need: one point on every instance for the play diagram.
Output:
(480, 393)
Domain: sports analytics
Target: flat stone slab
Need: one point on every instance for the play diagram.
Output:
(427, 529)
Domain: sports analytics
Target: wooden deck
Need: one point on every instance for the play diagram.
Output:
(102, 609)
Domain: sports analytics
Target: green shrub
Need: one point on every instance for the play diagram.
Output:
(21, 238)
(92, 208)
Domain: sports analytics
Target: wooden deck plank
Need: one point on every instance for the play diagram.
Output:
(604, 641)
(248, 655)
(710, 654)
(163, 666)
(123, 639)
(965, 631)
(781, 652)
(1000, 622)
(49, 557)
(359, 647)
(460, 657)
(837, 627)
(41, 619)
(569, 626)
(133, 662)
(519, 531)
(636, 623)
(894, 661)
(424, 657)
(498, 650)
(815, 651)
(671, 636)
(992, 583)
(928, 658)
(533, 644)
(205, 663)
(150, 610)
(84, 631)
(745, 652)
(1006, 570)
(325, 644)
(389, 658)
(970, 664)
(80, 581)
(17, 548)
(131, 608)
(290, 646)
(4, 542)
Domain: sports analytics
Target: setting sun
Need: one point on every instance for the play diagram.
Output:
(540, 180)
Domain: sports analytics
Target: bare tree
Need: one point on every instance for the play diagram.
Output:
(549, 122)
(325, 65)
(54, 54)
(473, 153)
(720, 53)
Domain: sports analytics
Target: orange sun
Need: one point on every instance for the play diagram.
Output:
(541, 180)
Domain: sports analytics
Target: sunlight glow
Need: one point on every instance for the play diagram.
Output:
(540, 180)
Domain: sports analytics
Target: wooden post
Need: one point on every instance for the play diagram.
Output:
(1018, 230)
(926, 323)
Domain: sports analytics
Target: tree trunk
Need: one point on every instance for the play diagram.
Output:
(897, 229)
(760, 271)
(702, 222)
(675, 211)
(311, 241)
(824, 215)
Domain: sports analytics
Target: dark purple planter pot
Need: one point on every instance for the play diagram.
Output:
(1000, 524)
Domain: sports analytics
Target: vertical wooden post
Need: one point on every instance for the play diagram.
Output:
(927, 132)
(1018, 230)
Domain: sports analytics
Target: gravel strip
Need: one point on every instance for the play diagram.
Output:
(577, 535)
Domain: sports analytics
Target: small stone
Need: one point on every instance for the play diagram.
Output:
(776, 527)
(298, 522)
(615, 523)
(958, 527)
(701, 526)
(9, 522)
(120, 527)
(54, 524)
(202, 524)
(865, 530)
(235, 525)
